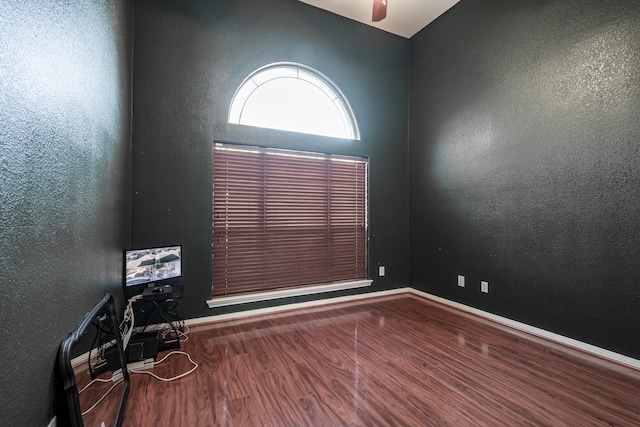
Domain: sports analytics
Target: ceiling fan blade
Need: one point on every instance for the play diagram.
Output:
(379, 10)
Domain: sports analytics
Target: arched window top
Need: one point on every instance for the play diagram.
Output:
(293, 97)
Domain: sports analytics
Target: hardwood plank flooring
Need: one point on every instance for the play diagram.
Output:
(392, 361)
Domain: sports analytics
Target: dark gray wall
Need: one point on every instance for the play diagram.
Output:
(64, 183)
(191, 56)
(525, 163)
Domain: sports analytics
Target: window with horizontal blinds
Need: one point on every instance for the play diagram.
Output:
(285, 219)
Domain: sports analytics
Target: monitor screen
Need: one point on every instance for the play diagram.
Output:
(152, 265)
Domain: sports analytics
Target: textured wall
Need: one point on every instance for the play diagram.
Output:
(191, 56)
(64, 183)
(524, 159)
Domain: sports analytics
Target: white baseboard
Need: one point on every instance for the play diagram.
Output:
(570, 343)
(532, 330)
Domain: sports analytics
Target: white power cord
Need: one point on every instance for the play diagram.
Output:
(103, 396)
(128, 321)
(195, 366)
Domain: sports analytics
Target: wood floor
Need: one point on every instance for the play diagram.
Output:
(395, 361)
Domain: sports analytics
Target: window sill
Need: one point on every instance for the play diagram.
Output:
(286, 293)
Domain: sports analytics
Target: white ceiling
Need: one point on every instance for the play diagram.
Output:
(404, 17)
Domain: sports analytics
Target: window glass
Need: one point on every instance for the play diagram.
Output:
(294, 98)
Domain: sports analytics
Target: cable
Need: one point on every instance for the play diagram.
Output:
(93, 345)
(169, 322)
(166, 310)
(103, 396)
(128, 318)
(101, 343)
(195, 366)
(135, 371)
(183, 333)
(101, 380)
(181, 325)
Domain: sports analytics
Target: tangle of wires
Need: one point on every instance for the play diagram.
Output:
(176, 332)
(103, 347)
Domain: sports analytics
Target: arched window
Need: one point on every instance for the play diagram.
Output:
(293, 97)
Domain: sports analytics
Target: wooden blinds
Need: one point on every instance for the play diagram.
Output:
(284, 219)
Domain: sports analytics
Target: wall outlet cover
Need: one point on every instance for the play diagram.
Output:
(484, 287)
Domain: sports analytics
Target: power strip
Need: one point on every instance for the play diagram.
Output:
(140, 365)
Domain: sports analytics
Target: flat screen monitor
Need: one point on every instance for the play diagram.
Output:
(149, 267)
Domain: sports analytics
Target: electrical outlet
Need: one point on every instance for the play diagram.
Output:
(484, 287)
(381, 270)
(461, 281)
